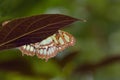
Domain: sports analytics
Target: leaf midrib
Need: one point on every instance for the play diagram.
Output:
(21, 23)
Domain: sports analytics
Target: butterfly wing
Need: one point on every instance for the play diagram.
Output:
(49, 47)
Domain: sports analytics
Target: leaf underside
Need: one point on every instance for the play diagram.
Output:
(32, 29)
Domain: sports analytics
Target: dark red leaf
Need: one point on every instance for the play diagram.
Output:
(31, 29)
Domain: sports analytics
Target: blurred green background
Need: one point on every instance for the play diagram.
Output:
(96, 55)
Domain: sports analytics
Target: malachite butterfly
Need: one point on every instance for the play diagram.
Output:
(50, 46)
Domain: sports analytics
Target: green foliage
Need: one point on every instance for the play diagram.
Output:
(96, 40)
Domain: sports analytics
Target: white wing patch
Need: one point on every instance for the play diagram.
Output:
(50, 46)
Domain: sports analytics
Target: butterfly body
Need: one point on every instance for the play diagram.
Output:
(49, 47)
